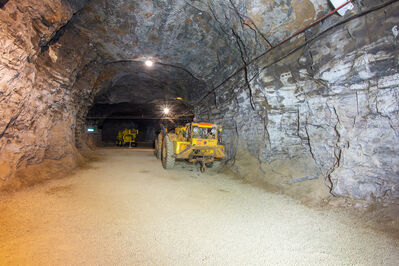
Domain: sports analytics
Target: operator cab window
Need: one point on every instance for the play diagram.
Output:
(204, 133)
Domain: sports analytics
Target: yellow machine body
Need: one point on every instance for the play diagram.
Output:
(126, 136)
(197, 142)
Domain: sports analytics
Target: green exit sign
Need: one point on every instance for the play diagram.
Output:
(91, 130)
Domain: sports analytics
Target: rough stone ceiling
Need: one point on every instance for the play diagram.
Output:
(133, 83)
(196, 44)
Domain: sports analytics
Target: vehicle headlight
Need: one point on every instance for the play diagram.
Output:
(196, 130)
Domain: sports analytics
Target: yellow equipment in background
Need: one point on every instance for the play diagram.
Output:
(195, 142)
(127, 136)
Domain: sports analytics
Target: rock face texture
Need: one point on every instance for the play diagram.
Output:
(36, 84)
(330, 108)
(322, 105)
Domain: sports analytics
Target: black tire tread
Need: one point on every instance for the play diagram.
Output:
(158, 148)
(168, 162)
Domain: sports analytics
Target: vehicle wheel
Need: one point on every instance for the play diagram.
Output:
(168, 159)
(158, 147)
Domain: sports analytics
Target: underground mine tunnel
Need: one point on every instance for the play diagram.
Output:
(305, 96)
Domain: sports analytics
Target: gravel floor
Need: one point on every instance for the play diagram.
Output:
(126, 210)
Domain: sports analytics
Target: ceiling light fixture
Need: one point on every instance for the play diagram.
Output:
(149, 63)
(166, 110)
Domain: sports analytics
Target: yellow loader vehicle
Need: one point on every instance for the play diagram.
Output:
(195, 142)
(127, 136)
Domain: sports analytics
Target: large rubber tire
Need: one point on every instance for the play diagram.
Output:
(168, 159)
(158, 147)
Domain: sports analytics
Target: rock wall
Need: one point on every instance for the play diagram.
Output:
(327, 110)
(38, 84)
